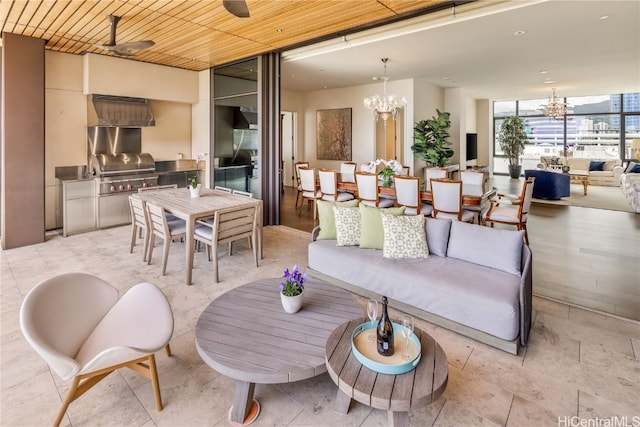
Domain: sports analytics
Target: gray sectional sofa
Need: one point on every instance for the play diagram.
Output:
(477, 281)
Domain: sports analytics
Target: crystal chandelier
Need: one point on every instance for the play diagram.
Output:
(387, 105)
(554, 108)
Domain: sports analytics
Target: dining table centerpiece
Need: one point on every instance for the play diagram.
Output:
(387, 169)
(194, 187)
(292, 289)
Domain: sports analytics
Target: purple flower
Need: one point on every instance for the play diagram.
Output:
(292, 284)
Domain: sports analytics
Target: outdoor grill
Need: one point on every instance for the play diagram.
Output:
(123, 172)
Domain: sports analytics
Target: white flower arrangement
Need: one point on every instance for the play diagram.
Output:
(389, 167)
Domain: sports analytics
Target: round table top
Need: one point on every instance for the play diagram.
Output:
(245, 333)
(416, 388)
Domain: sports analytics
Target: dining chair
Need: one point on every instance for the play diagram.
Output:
(368, 191)
(347, 171)
(242, 193)
(447, 200)
(507, 210)
(77, 324)
(329, 187)
(139, 225)
(476, 178)
(157, 187)
(408, 195)
(167, 231)
(229, 225)
(225, 189)
(298, 166)
(406, 170)
(430, 173)
(309, 189)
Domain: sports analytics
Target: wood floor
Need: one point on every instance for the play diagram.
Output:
(582, 256)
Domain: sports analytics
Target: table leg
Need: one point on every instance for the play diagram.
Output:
(585, 183)
(190, 245)
(398, 419)
(245, 409)
(343, 401)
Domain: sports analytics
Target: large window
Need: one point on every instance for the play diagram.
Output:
(593, 127)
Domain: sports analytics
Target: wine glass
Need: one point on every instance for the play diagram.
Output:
(407, 330)
(372, 312)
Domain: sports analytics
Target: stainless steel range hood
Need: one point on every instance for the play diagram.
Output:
(122, 111)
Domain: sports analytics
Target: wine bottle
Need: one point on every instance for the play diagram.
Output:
(385, 332)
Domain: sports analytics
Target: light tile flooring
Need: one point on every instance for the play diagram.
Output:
(578, 363)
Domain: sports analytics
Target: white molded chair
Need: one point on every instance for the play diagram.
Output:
(228, 226)
(473, 178)
(77, 324)
(166, 230)
(511, 211)
(329, 187)
(431, 173)
(368, 192)
(447, 200)
(408, 195)
(298, 166)
(348, 171)
(309, 189)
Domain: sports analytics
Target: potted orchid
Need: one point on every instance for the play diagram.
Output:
(389, 168)
(291, 289)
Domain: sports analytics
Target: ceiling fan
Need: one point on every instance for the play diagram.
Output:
(236, 7)
(123, 49)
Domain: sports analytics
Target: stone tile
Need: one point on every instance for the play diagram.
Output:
(34, 402)
(541, 335)
(626, 327)
(527, 413)
(548, 306)
(455, 414)
(592, 407)
(613, 363)
(635, 344)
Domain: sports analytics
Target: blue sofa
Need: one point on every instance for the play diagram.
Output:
(549, 185)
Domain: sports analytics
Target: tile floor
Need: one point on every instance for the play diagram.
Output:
(578, 363)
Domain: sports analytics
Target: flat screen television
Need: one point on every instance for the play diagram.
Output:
(472, 146)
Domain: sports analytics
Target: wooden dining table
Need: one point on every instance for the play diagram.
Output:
(178, 202)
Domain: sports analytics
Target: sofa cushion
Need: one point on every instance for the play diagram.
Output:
(469, 242)
(635, 168)
(404, 236)
(596, 166)
(437, 230)
(326, 218)
(371, 231)
(347, 225)
(630, 166)
(610, 164)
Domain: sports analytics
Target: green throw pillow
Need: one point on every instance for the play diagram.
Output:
(327, 220)
(371, 231)
(404, 236)
(347, 226)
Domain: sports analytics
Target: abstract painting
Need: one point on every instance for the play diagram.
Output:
(334, 134)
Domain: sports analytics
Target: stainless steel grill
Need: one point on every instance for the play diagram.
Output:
(123, 172)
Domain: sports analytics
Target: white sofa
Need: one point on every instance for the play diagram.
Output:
(609, 175)
(630, 185)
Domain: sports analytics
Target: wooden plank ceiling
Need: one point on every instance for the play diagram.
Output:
(197, 34)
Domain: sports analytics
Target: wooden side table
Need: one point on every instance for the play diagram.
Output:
(397, 394)
(580, 176)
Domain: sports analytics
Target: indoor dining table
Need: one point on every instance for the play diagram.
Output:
(178, 202)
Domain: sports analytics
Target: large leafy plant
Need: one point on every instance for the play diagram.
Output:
(511, 138)
(430, 139)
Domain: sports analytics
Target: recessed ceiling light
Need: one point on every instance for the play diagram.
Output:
(544, 71)
(603, 17)
(446, 78)
(548, 81)
(519, 33)
(279, 30)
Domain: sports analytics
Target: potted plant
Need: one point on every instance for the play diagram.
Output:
(291, 289)
(194, 187)
(511, 139)
(430, 139)
(388, 170)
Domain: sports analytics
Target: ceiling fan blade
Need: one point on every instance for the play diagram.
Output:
(113, 22)
(237, 7)
(142, 44)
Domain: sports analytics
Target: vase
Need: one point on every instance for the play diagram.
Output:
(195, 192)
(291, 304)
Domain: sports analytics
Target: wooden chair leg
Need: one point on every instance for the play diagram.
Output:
(71, 395)
(165, 255)
(168, 350)
(133, 237)
(153, 372)
(152, 242)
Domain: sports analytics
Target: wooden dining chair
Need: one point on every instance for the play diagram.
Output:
(139, 225)
(157, 188)
(368, 191)
(242, 193)
(310, 192)
(298, 166)
(167, 231)
(447, 200)
(507, 210)
(476, 178)
(329, 187)
(406, 170)
(430, 173)
(225, 189)
(348, 171)
(229, 225)
(408, 195)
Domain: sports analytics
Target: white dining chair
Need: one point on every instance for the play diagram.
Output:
(167, 231)
(408, 195)
(431, 173)
(368, 191)
(242, 193)
(470, 177)
(447, 200)
(329, 187)
(298, 166)
(405, 170)
(225, 189)
(310, 192)
(348, 171)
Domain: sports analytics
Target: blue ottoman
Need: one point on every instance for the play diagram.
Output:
(549, 185)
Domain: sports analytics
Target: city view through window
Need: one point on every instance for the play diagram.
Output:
(601, 127)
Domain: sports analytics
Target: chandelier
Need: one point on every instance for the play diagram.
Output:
(387, 105)
(554, 108)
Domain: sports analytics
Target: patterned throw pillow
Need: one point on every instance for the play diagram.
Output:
(404, 236)
(347, 225)
(327, 219)
(371, 231)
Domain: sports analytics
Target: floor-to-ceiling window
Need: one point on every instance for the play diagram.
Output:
(601, 126)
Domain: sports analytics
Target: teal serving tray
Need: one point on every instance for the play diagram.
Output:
(366, 351)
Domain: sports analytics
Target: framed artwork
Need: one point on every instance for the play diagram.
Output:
(334, 134)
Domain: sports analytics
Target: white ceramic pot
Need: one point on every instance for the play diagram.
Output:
(291, 304)
(195, 192)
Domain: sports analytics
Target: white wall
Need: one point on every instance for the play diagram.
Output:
(201, 123)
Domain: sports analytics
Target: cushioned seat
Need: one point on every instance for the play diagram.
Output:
(549, 185)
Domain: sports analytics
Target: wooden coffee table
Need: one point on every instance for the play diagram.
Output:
(580, 176)
(397, 394)
(245, 334)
